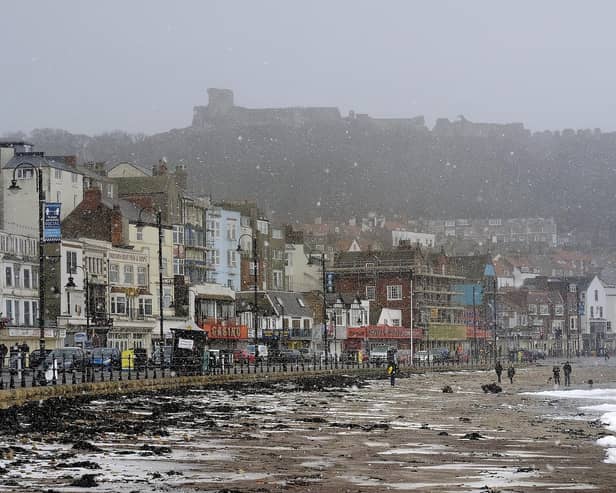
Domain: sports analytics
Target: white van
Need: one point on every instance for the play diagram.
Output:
(262, 351)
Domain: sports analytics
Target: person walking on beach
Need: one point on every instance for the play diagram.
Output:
(498, 368)
(510, 373)
(567, 372)
(556, 373)
(392, 369)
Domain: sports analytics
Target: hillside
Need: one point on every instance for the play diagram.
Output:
(302, 162)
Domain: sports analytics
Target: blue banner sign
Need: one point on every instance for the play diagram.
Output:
(51, 222)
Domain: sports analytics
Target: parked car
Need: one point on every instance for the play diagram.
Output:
(306, 354)
(105, 356)
(288, 356)
(34, 359)
(261, 354)
(66, 358)
(241, 356)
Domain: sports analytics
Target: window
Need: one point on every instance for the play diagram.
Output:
(178, 266)
(128, 274)
(371, 293)
(394, 292)
(544, 310)
(27, 278)
(9, 309)
(141, 276)
(231, 258)
(71, 262)
(263, 227)
(166, 296)
(230, 284)
(8, 277)
(139, 234)
(592, 312)
(214, 228)
(58, 196)
(395, 322)
(35, 283)
(118, 305)
(277, 234)
(74, 177)
(25, 174)
(231, 229)
(145, 306)
(34, 311)
(17, 313)
(214, 257)
(277, 279)
(114, 273)
(532, 309)
(27, 313)
(178, 234)
(559, 310)
(596, 295)
(600, 312)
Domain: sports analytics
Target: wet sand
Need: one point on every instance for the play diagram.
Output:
(412, 437)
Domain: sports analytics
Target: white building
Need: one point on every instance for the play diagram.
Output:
(426, 240)
(61, 183)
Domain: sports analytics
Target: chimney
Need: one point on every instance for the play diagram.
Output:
(116, 226)
(91, 198)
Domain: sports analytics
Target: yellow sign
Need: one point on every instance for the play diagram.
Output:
(447, 332)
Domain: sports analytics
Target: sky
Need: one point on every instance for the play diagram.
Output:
(141, 65)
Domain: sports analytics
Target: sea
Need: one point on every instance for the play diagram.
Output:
(594, 403)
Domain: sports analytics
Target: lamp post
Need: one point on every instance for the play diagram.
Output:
(490, 273)
(41, 241)
(159, 227)
(255, 260)
(324, 314)
(71, 285)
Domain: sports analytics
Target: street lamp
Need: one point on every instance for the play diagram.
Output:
(159, 226)
(323, 274)
(255, 260)
(490, 273)
(41, 200)
(71, 285)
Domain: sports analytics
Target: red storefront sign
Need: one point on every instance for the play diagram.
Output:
(220, 331)
(382, 332)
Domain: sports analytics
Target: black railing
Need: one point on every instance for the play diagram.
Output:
(20, 369)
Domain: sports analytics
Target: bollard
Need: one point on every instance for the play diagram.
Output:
(242, 367)
(12, 380)
(102, 370)
(129, 365)
(54, 370)
(111, 370)
(63, 369)
(146, 369)
(137, 368)
(92, 372)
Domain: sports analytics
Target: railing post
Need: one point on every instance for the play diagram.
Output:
(22, 357)
(63, 369)
(92, 372)
(129, 366)
(73, 379)
(54, 370)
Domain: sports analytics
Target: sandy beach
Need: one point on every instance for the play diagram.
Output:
(362, 437)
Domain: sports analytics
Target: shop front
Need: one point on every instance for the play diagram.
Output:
(225, 335)
(362, 340)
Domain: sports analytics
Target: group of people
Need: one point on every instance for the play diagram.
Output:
(498, 368)
(16, 352)
(566, 372)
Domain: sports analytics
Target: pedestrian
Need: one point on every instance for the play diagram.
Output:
(556, 373)
(510, 373)
(3, 351)
(567, 372)
(392, 370)
(498, 368)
